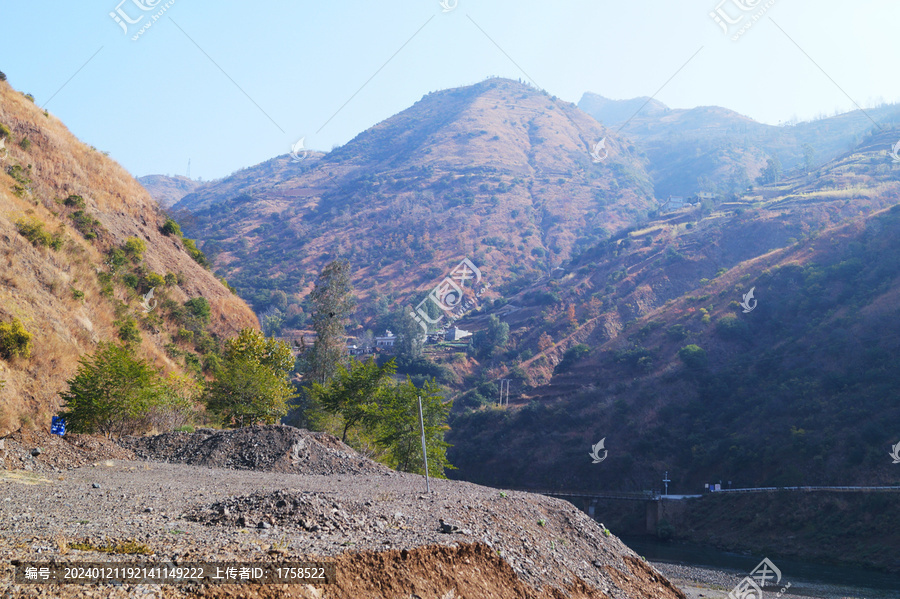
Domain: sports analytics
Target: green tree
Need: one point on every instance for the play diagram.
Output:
(333, 303)
(351, 393)
(253, 383)
(410, 336)
(111, 392)
(772, 172)
(693, 356)
(493, 338)
(395, 419)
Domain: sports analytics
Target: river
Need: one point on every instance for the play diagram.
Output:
(806, 578)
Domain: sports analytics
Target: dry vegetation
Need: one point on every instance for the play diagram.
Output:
(56, 293)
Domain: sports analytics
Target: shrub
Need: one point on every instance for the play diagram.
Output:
(195, 253)
(572, 355)
(154, 280)
(5, 133)
(18, 173)
(731, 327)
(171, 279)
(199, 307)
(86, 224)
(15, 341)
(33, 230)
(676, 332)
(74, 201)
(693, 356)
(115, 392)
(135, 248)
(128, 331)
(131, 280)
(170, 228)
(25, 143)
(2, 76)
(29, 97)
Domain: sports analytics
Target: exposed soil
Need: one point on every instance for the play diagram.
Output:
(383, 530)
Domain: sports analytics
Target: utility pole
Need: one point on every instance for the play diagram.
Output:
(506, 383)
(424, 451)
(667, 481)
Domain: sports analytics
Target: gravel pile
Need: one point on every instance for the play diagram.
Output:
(272, 448)
(40, 452)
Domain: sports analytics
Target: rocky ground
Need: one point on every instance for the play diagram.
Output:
(278, 494)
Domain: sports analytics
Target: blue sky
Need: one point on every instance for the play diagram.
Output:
(329, 70)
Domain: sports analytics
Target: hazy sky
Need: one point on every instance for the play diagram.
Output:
(329, 70)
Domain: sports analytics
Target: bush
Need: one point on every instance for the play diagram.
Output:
(731, 327)
(25, 143)
(74, 201)
(128, 331)
(676, 332)
(170, 228)
(572, 355)
(5, 133)
(171, 279)
(15, 341)
(135, 248)
(199, 307)
(2, 76)
(693, 356)
(154, 280)
(33, 230)
(86, 224)
(115, 392)
(195, 253)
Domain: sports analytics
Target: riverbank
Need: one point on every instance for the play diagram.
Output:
(708, 583)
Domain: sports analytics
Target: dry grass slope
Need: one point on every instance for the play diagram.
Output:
(42, 287)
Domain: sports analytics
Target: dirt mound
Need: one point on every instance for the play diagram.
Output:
(39, 451)
(305, 510)
(272, 448)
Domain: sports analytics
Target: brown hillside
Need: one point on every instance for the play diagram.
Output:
(168, 190)
(497, 171)
(42, 287)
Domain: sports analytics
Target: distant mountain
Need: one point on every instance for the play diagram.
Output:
(718, 150)
(497, 171)
(166, 190)
(658, 355)
(63, 208)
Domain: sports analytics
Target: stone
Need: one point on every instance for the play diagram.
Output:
(36, 451)
(96, 485)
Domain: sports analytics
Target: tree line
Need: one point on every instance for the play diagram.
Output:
(257, 381)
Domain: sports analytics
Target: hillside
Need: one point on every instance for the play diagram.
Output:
(66, 212)
(497, 171)
(798, 391)
(717, 150)
(168, 191)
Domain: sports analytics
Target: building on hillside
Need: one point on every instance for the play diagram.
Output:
(386, 341)
(672, 203)
(705, 195)
(456, 334)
